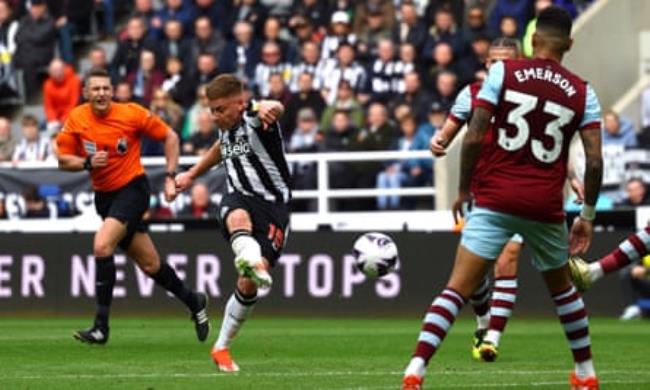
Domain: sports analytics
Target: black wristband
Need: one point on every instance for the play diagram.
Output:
(88, 164)
(171, 174)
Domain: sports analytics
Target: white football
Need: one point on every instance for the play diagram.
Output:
(375, 254)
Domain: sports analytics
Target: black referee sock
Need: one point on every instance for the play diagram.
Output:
(167, 279)
(104, 283)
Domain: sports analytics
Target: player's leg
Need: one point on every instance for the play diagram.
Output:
(549, 244)
(504, 295)
(634, 248)
(248, 252)
(106, 239)
(142, 250)
(480, 304)
(483, 238)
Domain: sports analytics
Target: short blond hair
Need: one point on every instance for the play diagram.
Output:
(223, 86)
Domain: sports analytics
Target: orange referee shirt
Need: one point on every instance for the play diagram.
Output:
(118, 133)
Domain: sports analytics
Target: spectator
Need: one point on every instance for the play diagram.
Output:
(314, 10)
(71, 18)
(33, 146)
(437, 116)
(339, 34)
(415, 97)
(444, 61)
(636, 194)
(644, 137)
(215, 10)
(310, 63)
(177, 84)
(454, 7)
(241, 55)
(540, 5)
(278, 89)
(444, 30)
(97, 59)
(635, 283)
(306, 97)
(203, 137)
(410, 30)
(508, 28)
(144, 10)
(445, 88)
(206, 71)
(343, 68)
(8, 30)
(35, 40)
(124, 93)
(35, 205)
(303, 31)
(271, 65)
(180, 10)
(406, 64)
(477, 59)
(380, 82)
(207, 40)
(374, 22)
(339, 138)
(519, 11)
(170, 112)
(200, 207)
(127, 54)
(272, 30)
(305, 139)
(192, 115)
(345, 101)
(7, 143)
(146, 77)
(251, 12)
(173, 43)
(476, 25)
(61, 93)
(618, 131)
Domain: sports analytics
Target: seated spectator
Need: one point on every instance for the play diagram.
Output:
(272, 34)
(410, 29)
(306, 97)
(170, 112)
(214, 10)
(314, 10)
(180, 10)
(8, 30)
(251, 12)
(477, 59)
(444, 61)
(145, 78)
(241, 55)
(96, 59)
(35, 205)
(305, 139)
(343, 68)
(145, 11)
(303, 31)
(310, 63)
(124, 93)
(414, 96)
(174, 43)
(7, 143)
(381, 72)
(206, 70)
(35, 43)
(200, 207)
(636, 192)
(127, 55)
(345, 101)
(405, 64)
(373, 23)
(518, 11)
(437, 116)
(61, 93)
(271, 65)
(635, 283)
(339, 33)
(338, 138)
(445, 91)
(177, 84)
(475, 25)
(278, 89)
(203, 137)
(618, 131)
(33, 146)
(444, 30)
(207, 40)
(508, 28)
(192, 115)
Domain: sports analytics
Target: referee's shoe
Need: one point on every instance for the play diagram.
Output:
(200, 317)
(93, 335)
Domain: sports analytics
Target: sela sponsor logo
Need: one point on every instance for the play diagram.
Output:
(235, 149)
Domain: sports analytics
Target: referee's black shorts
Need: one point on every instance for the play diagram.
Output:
(270, 222)
(127, 204)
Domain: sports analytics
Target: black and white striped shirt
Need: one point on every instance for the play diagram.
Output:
(255, 161)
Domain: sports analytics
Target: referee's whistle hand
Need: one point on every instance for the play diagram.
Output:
(100, 159)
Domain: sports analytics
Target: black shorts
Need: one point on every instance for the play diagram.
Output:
(270, 222)
(127, 204)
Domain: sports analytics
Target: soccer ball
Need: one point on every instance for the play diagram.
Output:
(375, 254)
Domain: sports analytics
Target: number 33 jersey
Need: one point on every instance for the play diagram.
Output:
(538, 105)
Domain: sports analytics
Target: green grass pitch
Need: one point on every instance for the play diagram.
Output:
(314, 354)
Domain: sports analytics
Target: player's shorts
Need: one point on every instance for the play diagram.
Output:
(486, 232)
(270, 222)
(127, 204)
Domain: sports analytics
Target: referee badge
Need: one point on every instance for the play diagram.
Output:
(122, 146)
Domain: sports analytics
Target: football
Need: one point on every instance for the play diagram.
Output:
(375, 254)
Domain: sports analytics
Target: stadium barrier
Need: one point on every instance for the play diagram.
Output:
(53, 273)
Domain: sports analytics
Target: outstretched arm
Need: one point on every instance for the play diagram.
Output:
(211, 158)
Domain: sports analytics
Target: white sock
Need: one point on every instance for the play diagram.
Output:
(245, 247)
(483, 321)
(234, 316)
(585, 369)
(595, 271)
(493, 336)
(416, 367)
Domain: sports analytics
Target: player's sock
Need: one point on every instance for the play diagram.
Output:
(438, 320)
(245, 247)
(104, 282)
(503, 301)
(479, 302)
(573, 317)
(238, 308)
(632, 249)
(166, 277)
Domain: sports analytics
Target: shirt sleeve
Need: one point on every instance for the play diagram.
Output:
(462, 106)
(67, 141)
(151, 124)
(591, 117)
(488, 96)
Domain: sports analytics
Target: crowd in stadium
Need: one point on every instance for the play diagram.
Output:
(354, 75)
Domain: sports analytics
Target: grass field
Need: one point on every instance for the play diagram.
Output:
(279, 353)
